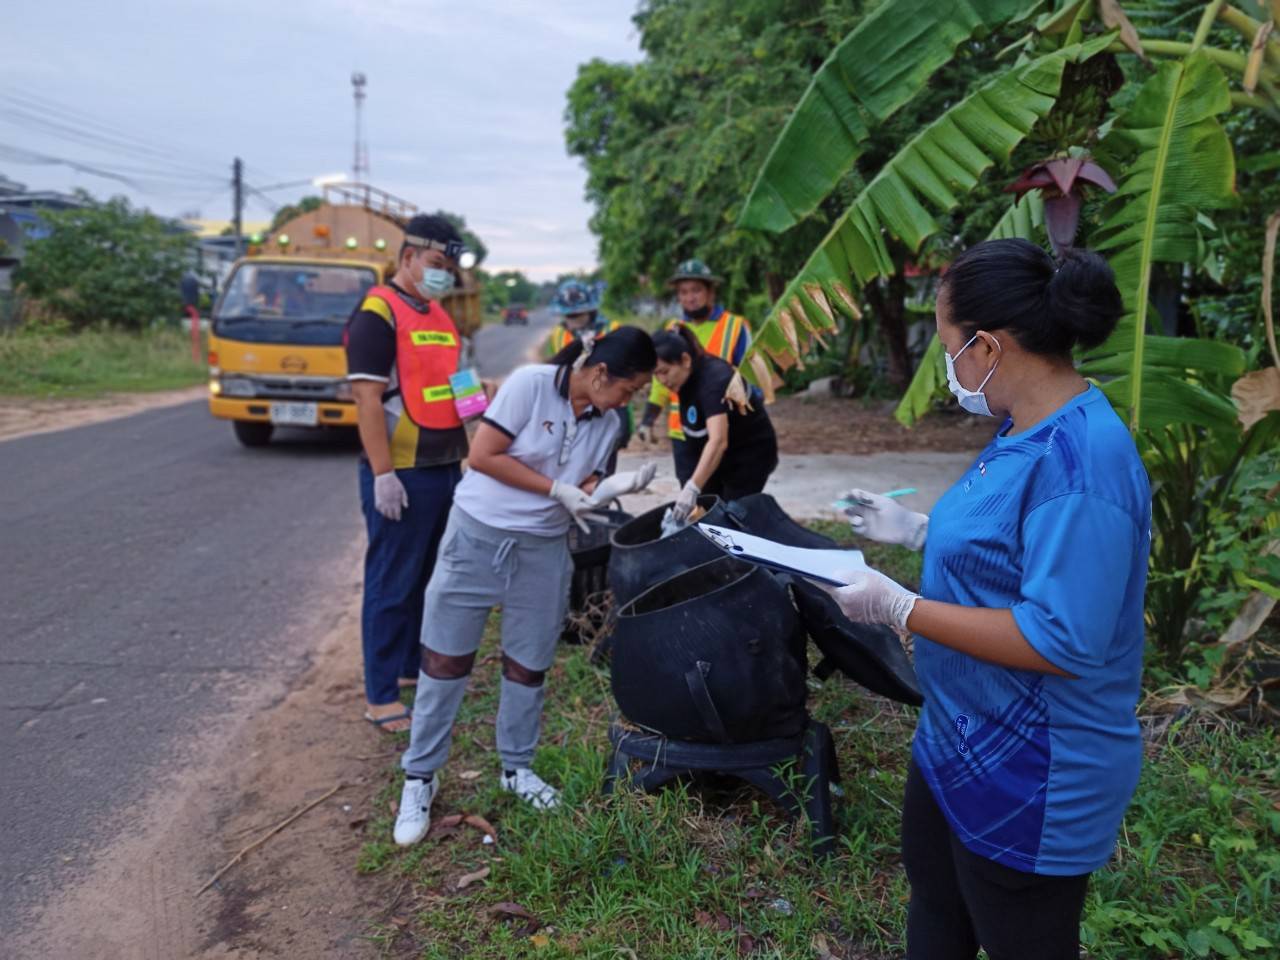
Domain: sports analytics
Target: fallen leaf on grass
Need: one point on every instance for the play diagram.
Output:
(452, 820)
(356, 823)
(507, 909)
(540, 941)
(513, 911)
(395, 806)
(467, 879)
(400, 921)
(469, 775)
(746, 944)
(480, 823)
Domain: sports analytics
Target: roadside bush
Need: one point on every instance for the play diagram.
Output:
(105, 263)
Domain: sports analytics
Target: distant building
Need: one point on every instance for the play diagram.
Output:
(216, 246)
(20, 222)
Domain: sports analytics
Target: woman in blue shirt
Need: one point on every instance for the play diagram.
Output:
(1029, 622)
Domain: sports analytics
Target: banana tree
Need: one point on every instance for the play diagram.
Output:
(874, 72)
(929, 175)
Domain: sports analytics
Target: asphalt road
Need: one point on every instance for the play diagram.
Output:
(155, 577)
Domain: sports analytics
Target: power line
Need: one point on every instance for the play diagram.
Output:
(144, 183)
(71, 123)
(53, 128)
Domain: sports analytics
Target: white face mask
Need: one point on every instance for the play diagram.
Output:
(974, 401)
(434, 283)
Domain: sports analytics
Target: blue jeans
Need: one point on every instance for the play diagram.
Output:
(397, 566)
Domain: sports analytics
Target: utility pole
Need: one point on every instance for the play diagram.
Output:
(237, 186)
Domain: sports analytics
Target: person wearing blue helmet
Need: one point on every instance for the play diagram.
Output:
(579, 310)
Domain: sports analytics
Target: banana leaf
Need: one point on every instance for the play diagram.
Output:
(1179, 163)
(875, 70)
(935, 168)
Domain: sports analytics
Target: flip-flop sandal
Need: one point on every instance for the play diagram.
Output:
(381, 722)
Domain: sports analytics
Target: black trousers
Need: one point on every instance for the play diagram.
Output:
(960, 901)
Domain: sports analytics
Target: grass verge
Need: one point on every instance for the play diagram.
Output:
(715, 870)
(95, 362)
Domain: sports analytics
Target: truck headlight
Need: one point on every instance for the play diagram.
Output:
(238, 387)
(343, 390)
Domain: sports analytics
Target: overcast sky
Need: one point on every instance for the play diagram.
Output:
(464, 109)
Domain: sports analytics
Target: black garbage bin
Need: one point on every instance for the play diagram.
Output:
(590, 551)
(641, 557)
(714, 654)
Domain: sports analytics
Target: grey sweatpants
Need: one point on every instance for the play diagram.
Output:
(480, 567)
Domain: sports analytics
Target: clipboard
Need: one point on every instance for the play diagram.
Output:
(820, 565)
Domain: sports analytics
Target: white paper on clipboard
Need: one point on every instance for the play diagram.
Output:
(823, 565)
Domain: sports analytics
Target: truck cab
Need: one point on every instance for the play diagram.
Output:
(275, 349)
(276, 355)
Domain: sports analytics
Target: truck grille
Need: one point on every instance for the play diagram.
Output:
(297, 388)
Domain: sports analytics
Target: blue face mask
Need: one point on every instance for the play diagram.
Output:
(974, 401)
(434, 283)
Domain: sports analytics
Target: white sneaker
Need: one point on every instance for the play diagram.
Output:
(527, 785)
(414, 819)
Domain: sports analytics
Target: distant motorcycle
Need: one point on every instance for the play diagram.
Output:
(515, 315)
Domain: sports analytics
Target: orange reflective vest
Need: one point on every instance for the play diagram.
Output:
(428, 348)
(722, 342)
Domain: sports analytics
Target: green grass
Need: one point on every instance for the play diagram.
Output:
(95, 362)
(719, 871)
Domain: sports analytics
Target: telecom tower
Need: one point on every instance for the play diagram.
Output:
(360, 168)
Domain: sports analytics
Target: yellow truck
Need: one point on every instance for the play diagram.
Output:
(275, 344)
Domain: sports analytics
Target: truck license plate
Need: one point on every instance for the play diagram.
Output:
(294, 414)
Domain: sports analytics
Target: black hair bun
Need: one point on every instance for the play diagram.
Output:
(1082, 299)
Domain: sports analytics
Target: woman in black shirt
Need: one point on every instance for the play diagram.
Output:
(737, 448)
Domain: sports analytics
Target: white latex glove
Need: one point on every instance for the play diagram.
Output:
(620, 484)
(880, 518)
(575, 500)
(687, 500)
(389, 497)
(871, 597)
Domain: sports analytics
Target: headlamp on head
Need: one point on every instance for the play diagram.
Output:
(452, 249)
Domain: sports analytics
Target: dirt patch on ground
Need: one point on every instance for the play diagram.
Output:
(806, 424)
(296, 895)
(22, 416)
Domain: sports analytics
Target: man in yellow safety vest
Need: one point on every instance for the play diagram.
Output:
(721, 333)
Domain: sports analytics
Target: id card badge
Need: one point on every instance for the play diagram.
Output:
(468, 393)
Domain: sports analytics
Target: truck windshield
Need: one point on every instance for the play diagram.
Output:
(293, 292)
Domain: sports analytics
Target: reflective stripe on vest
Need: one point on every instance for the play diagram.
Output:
(427, 352)
(722, 342)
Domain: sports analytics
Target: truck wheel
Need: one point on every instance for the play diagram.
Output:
(252, 433)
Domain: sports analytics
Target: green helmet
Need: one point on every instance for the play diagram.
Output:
(694, 269)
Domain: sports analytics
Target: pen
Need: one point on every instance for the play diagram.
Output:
(846, 504)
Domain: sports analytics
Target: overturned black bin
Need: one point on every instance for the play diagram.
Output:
(709, 665)
(641, 557)
(715, 653)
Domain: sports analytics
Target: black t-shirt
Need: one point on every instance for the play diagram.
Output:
(751, 436)
(371, 355)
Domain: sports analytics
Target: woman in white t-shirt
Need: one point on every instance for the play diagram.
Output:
(536, 458)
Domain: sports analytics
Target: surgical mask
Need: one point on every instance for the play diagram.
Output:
(700, 314)
(974, 401)
(434, 283)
